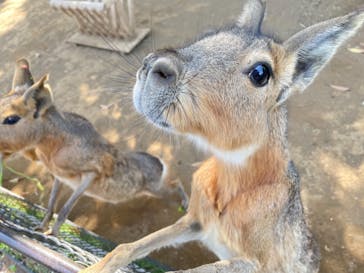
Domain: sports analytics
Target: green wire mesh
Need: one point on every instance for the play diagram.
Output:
(74, 242)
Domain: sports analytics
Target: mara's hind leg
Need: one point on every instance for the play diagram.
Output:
(87, 179)
(50, 210)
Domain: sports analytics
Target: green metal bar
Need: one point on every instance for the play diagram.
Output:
(37, 252)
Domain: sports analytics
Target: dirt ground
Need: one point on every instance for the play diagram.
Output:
(326, 130)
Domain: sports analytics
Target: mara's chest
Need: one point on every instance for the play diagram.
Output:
(214, 240)
(237, 221)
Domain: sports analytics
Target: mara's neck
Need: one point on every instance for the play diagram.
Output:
(63, 129)
(51, 131)
(259, 165)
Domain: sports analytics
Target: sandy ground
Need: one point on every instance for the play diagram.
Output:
(326, 126)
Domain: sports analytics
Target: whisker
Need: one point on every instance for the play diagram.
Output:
(123, 80)
(120, 83)
(136, 58)
(188, 80)
(168, 110)
(130, 62)
(135, 125)
(152, 33)
(116, 50)
(183, 109)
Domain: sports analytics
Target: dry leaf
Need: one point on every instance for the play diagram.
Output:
(356, 50)
(106, 107)
(327, 249)
(302, 25)
(340, 88)
(197, 164)
(14, 180)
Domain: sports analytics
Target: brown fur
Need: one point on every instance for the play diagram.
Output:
(73, 151)
(245, 202)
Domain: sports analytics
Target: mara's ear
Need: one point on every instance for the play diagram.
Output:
(39, 97)
(312, 48)
(22, 79)
(252, 16)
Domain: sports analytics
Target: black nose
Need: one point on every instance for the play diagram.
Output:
(164, 72)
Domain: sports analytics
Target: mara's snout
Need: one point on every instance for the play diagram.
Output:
(156, 87)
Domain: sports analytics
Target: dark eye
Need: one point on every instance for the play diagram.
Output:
(259, 75)
(10, 120)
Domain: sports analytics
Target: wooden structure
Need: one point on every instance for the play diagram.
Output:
(106, 24)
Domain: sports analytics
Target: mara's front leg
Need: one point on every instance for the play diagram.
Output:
(184, 230)
(86, 180)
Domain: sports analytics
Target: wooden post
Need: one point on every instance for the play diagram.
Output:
(131, 17)
(100, 20)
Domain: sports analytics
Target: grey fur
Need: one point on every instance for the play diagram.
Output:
(253, 220)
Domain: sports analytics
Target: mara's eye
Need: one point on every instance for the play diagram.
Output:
(10, 120)
(259, 75)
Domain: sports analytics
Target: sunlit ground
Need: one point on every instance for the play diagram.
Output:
(326, 125)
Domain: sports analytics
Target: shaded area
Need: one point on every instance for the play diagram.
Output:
(73, 249)
(326, 126)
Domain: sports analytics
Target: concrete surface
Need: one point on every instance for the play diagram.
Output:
(326, 125)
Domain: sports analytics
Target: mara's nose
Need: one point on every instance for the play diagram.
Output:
(164, 71)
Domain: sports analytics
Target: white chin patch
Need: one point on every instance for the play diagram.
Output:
(234, 157)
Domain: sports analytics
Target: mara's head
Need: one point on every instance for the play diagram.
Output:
(223, 87)
(22, 109)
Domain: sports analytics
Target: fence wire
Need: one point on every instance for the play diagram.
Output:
(73, 242)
